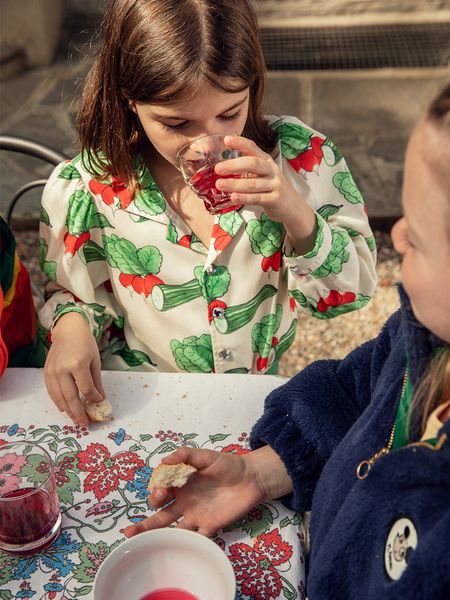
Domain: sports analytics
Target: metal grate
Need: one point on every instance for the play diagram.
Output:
(357, 47)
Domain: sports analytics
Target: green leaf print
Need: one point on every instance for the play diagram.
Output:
(265, 235)
(43, 217)
(371, 242)
(48, 266)
(133, 358)
(93, 252)
(328, 210)
(263, 332)
(337, 256)
(6, 594)
(172, 233)
(299, 297)
(30, 471)
(92, 556)
(150, 200)
(150, 258)
(69, 172)
(256, 522)
(230, 222)
(79, 215)
(344, 182)
(294, 138)
(215, 285)
(193, 354)
(123, 255)
(65, 492)
(99, 220)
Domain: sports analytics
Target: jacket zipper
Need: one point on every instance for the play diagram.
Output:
(365, 466)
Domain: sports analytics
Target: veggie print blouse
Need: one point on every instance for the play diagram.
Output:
(157, 299)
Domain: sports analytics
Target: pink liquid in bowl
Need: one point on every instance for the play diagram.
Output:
(169, 594)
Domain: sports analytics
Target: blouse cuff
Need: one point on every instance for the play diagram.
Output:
(300, 266)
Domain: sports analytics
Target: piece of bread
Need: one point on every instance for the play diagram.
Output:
(99, 411)
(170, 475)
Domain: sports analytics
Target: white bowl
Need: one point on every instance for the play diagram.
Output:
(166, 558)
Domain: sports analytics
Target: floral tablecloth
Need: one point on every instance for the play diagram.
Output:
(102, 475)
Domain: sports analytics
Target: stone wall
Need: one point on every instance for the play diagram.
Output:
(326, 8)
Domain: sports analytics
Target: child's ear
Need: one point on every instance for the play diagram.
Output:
(132, 106)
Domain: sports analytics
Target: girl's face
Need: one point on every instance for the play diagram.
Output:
(171, 126)
(422, 236)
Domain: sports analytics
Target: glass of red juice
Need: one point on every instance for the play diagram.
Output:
(197, 161)
(30, 517)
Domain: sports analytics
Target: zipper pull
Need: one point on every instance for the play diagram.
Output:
(364, 467)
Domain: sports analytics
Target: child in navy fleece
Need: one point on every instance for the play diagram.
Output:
(363, 442)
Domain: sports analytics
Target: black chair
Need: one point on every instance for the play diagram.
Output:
(30, 148)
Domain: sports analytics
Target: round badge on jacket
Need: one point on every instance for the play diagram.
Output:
(400, 544)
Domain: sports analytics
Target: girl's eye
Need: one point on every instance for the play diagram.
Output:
(175, 127)
(230, 117)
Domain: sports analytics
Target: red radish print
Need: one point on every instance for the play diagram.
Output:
(262, 363)
(272, 262)
(150, 281)
(215, 305)
(333, 299)
(141, 284)
(185, 241)
(292, 304)
(73, 243)
(221, 238)
(117, 189)
(309, 159)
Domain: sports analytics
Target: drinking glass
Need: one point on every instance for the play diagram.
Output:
(197, 161)
(30, 517)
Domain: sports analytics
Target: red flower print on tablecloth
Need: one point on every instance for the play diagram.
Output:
(10, 465)
(255, 568)
(106, 471)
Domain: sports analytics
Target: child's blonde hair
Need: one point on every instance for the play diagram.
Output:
(160, 51)
(434, 387)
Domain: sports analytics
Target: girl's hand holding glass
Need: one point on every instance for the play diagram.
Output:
(262, 183)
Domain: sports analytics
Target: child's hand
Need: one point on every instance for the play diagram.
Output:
(225, 487)
(262, 183)
(73, 368)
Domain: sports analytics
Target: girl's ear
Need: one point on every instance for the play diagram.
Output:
(132, 106)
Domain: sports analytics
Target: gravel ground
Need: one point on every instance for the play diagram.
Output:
(332, 338)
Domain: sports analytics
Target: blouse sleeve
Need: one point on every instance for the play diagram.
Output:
(338, 275)
(71, 252)
(305, 419)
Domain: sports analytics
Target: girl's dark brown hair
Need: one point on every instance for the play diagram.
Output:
(434, 387)
(163, 50)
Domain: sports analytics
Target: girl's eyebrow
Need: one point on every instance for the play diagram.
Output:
(175, 118)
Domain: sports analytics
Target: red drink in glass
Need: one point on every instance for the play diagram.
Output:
(197, 161)
(169, 594)
(203, 182)
(30, 517)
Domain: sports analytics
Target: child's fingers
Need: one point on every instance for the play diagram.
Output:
(163, 518)
(198, 458)
(72, 398)
(244, 185)
(244, 145)
(96, 375)
(85, 384)
(245, 164)
(161, 496)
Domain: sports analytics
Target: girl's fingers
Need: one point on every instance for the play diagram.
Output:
(256, 199)
(244, 145)
(245, 164)
(85, 384)
(198, 458)
(55, 393)
(161, 496)
(244, 185)
(72, 397)
(163, 518)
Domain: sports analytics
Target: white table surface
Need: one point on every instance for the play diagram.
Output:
(153, 414)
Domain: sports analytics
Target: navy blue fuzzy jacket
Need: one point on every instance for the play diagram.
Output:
(386, 537)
